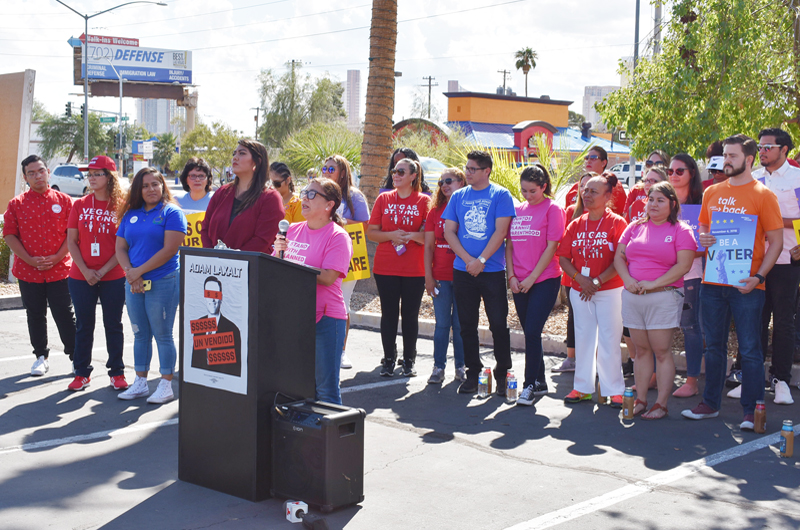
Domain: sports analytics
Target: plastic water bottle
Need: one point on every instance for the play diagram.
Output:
(511, 387)
(627, 404)
(760, 418)
(483, 385)
(488, 372)
(787, 439)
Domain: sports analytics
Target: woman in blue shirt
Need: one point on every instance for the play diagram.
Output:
(151, 229)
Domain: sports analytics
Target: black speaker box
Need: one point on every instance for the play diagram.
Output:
(318, 454)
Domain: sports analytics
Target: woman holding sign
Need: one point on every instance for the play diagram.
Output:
(151, 230)
(354, 211)
(684, 175)
(397, 224)
(652, 257)
(244, 214)
(321, 242)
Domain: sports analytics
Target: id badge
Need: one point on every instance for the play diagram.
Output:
(400, 249)
(585, 271)
(611, 247)
(95, 249)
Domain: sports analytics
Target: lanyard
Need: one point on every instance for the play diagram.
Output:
(586, 233)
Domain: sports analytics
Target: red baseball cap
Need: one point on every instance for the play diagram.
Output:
(102, 162)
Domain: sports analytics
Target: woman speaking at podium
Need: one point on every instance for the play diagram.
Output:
(245, 213)
(321, 242)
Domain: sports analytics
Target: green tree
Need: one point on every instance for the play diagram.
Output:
(726, 67)
(164, 149)
(419, 107)
(309, 147)
(215, 144)
(576, 120)
(294, 100)
(63, 136)
(526, 61)
(39, 112)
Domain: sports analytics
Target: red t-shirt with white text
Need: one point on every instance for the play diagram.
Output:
(95, 225)
(391, 213)
(443, 255)
(593, 244)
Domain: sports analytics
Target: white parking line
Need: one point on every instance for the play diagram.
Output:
(17, 358)
(569, 513)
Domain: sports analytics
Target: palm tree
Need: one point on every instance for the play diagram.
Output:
(526, 59)
(377, 144)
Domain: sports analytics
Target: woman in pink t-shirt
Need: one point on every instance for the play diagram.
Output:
(652, 257)
(321, 242)
(534, 275)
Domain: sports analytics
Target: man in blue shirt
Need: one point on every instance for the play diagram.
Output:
(477, 218)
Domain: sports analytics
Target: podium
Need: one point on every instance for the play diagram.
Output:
(247, 333)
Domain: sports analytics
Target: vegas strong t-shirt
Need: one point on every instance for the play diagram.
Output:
(476, 213)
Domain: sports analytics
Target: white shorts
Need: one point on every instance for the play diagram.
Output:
(660, 310)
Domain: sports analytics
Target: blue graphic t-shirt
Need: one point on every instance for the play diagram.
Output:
(476, 213)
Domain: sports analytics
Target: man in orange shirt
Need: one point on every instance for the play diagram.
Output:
(741, 193)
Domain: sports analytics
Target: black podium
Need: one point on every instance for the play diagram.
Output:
(247, 332)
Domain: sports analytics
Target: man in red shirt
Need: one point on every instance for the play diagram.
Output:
(35, 229)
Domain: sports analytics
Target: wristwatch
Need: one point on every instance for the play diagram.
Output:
(482, 260)
(761, 279)
(596, 282)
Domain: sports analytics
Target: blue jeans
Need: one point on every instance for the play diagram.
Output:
(533, 309)
(328, 357)
(152, 314)
(692, 327)
(84, 298)
(746, 311)
(446, 317)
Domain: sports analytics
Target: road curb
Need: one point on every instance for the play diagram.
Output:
(10, 301)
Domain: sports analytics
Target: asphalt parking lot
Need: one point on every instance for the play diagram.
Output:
(433, 458)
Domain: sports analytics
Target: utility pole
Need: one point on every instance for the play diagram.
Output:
(294, 89)
(256, 109)
(632, 177)
(429, 79)
(657, 29)
(506, 74)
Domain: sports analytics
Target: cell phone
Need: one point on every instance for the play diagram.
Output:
(147, 284)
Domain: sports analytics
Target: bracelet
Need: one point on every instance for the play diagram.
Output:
(573, 276)
(512, 277)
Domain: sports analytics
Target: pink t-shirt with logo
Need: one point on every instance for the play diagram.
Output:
(530, 231)
(329, 247)
(652, 249)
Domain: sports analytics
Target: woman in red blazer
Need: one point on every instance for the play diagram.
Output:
(245, 213)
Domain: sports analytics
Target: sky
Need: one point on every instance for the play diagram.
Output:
(578, 42)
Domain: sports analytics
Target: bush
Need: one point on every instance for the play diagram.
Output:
(5, 256)
(309, 147)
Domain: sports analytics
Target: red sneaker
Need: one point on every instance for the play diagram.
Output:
(79, 383)
(118, 382)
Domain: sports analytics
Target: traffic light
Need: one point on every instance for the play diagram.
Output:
(69, 110)
(83, 112)
(117, 141)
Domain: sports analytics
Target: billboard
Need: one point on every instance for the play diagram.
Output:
(146, 65)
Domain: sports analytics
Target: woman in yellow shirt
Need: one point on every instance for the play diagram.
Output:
(282, 181)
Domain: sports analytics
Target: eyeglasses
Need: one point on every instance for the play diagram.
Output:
(678, 171)
(591, 157)
(328, 169)
(197, 177)
(766, 147)
(651, 181)
(715, 171)
(651, 163)
(96, 175)
(312, 194)
(277, 183)
(447, 181)
(471, 170)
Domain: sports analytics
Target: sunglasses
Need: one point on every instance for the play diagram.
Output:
(400, 172)
(311, 195)
(447, 181)
(651, 163)
(591, 157)
(96, 175)
(680, 171)
(651, 181)
(715, 171)
(277, 183)
(766, 147)
(328, 169)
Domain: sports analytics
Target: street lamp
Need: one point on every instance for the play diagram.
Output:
(86, 63)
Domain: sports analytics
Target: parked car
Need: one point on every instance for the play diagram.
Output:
(623, 172)
(432, 169)
(70, 179)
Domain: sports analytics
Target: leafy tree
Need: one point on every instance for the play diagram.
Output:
(419, 107)
(164, 149)
(39, 112)
(215, 144)
(309, 147)
(426, 143)
(294, 101)
(526, 61)
(63, 136)
(576, 120)
(726, 66)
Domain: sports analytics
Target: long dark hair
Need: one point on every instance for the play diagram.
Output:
(695, 184)
(283, 171)
(134, 199)
(538, 174)
(664, 188)
(345, 179)
(388, 183)
(260, 175)
(332, 192)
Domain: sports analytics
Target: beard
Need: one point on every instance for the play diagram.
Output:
(733, 171)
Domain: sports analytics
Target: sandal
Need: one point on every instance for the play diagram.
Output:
(656, 408)
(637, 403)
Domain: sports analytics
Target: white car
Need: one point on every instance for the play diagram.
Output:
(623, 172)
(69, 179)
(432, 169)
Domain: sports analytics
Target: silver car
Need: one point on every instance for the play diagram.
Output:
(69, 179)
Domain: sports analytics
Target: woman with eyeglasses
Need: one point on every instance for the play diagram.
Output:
(245, 213)
(96, 274)
(399, 154)
(652, 257)
(684, 175)
(586, 255)
(321, 242)
(533, 270)
(396, 224)
(439, 259)
(151, 229)
(281, 178)
(196, 181)
(596, 161)
(353, 209)
(657, 158)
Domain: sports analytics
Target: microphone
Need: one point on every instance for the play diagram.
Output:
(283, 228)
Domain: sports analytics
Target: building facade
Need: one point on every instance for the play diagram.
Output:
(353, 100)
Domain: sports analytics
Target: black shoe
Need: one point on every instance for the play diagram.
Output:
(540, 389)
(470, 386)
(388, 368)
(627, 368)
(408, 369)
(501, 387)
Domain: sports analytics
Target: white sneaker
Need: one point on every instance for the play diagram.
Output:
(137, 390)
(526, 397)
(783, 396)
(346, 363)
(736, 393)
(461, 374)
(40, 366)
(163, 393)
(437, 376)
